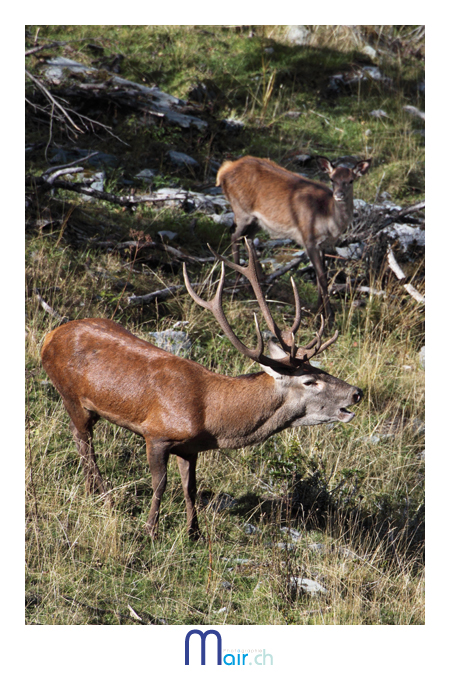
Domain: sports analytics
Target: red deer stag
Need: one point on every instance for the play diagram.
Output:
(180, 407)
(264, 196)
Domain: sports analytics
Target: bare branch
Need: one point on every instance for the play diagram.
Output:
(156, 295)
(53, 101)
(63, 172)
(395, 267)
(45, 306)
(75, 161)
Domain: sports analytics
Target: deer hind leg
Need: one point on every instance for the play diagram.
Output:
(81, 424)
(244, 225)
(157, 456)
(187, 467)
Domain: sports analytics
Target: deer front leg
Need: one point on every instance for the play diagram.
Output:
(157, 456)
(186, 467)
(317, 259)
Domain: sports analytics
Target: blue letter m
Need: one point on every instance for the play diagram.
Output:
(203, 639)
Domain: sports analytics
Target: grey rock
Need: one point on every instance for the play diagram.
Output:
(222, 502)
(370, 51)
(422, 357)
(97, 184)
(181, 159)
(250, 529)
(302, 585)
(167, 234)
(285, 546)
(99, 181)
(378, 113)
(405, 235)
(352, 251)
(298, 35)
(226, 219)
(147, 175)
(176, 342)
(295, 535)
(199, 201)
(317, 548)
(273, 243)
(232, 124)
(64, 156)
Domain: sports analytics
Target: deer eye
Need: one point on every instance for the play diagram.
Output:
(309, 381)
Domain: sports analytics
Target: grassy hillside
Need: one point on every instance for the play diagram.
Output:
(355, 493)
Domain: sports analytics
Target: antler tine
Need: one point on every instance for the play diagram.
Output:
(215, 306)
(298, 310)
(251, 274)
(316, 347)
(317, 338)
(328, 342)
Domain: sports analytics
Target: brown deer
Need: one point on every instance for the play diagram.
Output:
(178, 406)
(265, 196)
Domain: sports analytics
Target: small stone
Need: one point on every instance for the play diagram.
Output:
(250, 529)
(181, 159)
(298, 35)
(302, 585)
(422, 357)
(147, 175)
(167, 234)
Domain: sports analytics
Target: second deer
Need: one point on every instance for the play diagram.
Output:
(265, 196)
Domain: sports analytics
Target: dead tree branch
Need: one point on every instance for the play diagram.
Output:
(130, 200)
(401, 276)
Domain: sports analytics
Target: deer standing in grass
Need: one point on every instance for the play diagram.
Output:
(264, 196)
(180, 407)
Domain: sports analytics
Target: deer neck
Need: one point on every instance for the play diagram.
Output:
(343, 211)
(248, 410)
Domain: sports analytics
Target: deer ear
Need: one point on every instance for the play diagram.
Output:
(275, 353)
(362, 167)
(325, 164)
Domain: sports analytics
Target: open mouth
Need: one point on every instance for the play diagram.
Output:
(345, 415)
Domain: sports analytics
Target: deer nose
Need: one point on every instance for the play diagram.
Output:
(357, 396)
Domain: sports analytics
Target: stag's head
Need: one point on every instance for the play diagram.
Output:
(310, 395)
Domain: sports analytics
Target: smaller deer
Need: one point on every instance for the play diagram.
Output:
(178, 406)
(265, 196)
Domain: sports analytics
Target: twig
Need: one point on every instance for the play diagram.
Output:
(411, 209)
(287, 268)
(53, 101)
(133, 614)
(50, 45)
(49, 309)
(156, 295)
(337, 288)
(412, 110)
(159, 246)
(75, 161)
(326, 120)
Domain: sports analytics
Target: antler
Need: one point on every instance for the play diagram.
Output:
(295, 356)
